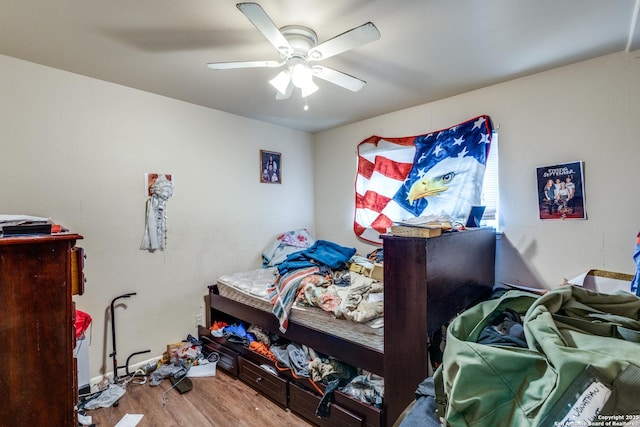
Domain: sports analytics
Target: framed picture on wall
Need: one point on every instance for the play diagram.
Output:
(561, 191)
(270, 167)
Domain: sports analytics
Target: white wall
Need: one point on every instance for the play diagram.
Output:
(76, 149)
(588, 111)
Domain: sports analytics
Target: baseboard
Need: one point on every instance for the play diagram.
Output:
(96, 382)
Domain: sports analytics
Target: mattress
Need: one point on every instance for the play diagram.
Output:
(250, 288)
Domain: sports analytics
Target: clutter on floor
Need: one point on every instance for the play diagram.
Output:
(182, 359)
(175, 366)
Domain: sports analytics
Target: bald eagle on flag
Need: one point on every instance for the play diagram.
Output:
(440, 173)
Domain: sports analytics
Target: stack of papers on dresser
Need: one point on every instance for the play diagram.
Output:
(24, 224)
(422, 226)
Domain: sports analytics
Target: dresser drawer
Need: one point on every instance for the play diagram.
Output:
(268, 384)
(228, 358)
(304, 403)
(77, 271)
(372, 416)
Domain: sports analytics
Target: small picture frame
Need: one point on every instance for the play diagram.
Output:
(270, 167)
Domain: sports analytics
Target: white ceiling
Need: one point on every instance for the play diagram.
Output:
(429, 49)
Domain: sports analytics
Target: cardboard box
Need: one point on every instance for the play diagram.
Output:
(606, 282)
(377, 272)
(171, 350)
(357, 268)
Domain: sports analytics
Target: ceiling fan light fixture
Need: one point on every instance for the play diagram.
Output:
(309, 89)
(301, 77)
(281, 81)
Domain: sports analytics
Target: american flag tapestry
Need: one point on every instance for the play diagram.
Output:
(439, 173)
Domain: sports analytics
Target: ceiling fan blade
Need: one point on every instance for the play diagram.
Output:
(365, 33)
(339, 78)
(244, 64)
(258, 17)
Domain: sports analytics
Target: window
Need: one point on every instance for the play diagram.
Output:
(490, 185)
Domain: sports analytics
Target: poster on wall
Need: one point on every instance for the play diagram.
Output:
(561, 191)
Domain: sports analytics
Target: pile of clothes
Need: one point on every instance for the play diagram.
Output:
(181, 359)
(306, 364)
(315, 273)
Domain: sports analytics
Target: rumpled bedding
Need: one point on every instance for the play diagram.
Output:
(361, 301)
(282, 293)
(298, 269)
(286, 244)
(342, 294)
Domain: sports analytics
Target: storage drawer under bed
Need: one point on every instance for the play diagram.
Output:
(265, 382)
(228, 358)
(305, 403)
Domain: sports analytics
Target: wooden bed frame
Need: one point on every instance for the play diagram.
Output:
(427, 282)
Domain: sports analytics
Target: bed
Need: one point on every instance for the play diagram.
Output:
(249, 288)
(426, 282)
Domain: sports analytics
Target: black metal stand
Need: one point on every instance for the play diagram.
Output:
(113, 338)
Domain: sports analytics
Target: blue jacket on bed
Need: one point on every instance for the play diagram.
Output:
(322, 252)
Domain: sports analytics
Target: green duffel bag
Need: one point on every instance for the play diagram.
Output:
(581, 365)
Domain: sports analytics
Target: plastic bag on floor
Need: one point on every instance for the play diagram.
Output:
(107, 398)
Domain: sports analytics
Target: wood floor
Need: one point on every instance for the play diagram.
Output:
(214, 401)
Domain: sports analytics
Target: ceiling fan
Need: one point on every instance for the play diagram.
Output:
(298, 50)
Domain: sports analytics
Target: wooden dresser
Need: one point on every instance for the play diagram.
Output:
(434, 279)
(38, 384)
